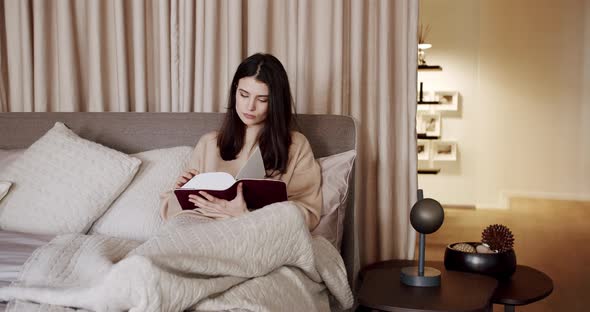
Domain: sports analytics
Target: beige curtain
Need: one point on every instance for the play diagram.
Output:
(350, 57)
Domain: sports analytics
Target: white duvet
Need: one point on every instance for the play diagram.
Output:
(262, 261)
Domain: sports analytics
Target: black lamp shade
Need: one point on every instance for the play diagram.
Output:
(427, 216)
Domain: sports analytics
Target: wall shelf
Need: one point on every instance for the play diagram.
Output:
(426, 137)
(429, 171)
(431, 107)
(429, 67)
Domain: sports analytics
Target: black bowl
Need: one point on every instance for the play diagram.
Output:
(500, 265)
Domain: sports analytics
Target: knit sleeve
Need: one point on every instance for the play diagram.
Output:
(169, 205)
(304, 185)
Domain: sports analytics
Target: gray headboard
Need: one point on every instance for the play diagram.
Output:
(136, 132)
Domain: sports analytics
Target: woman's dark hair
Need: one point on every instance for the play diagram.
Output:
(274, 138)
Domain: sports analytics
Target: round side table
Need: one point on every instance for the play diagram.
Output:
(525, 286)
(382, 289)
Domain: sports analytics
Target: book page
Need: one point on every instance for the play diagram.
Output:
(254, 167)
(210, 181)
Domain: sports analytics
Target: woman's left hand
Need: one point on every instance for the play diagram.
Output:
(217, 208)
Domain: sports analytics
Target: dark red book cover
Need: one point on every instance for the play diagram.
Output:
(257, 193)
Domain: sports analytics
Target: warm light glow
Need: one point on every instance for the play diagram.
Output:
(424, 46)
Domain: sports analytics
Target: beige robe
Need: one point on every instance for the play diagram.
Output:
(303, 175)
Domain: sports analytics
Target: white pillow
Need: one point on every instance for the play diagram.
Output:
(136, 213)
(4, 187)
(8, 156)
(62, 183)
(336, 170)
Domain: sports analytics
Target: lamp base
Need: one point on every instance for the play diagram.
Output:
(410, 277)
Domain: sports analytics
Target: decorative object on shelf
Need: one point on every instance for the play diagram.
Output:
(426, 217)
(428, 124)
(464, 247)
(493, 256)
(498, 237)
(422, 45)
(447, 100)
(483, 248)
(422, 53)
(444, 150)
(438, 101)
(423, 148)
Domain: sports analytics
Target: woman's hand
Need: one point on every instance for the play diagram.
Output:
(217, 208)
(185, 177)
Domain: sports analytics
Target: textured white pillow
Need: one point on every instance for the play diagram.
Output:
(62, 183)
(136, 213)
(336, 170)
(8, 156)
(4, 187)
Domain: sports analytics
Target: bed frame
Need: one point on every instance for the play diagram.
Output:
(136, 132)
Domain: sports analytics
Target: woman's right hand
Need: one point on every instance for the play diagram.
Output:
(185, 177)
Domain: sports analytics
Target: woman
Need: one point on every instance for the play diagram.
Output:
(259, 113)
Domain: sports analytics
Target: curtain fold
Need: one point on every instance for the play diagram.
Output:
(3, 62)
(347, 57)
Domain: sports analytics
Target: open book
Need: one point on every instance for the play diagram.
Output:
(258, 191)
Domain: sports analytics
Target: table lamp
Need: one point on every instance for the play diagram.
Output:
(426, 217)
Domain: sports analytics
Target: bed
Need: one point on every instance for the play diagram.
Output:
(132, 133)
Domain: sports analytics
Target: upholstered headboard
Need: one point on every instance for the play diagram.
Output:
(136, 132)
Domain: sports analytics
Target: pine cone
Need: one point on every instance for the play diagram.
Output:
(498, 237)
(464, 247)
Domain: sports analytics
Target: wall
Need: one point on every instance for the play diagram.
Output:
(455, 38)
(585, 116)
(526, 129)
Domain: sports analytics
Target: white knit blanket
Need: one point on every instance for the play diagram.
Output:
(262, 261)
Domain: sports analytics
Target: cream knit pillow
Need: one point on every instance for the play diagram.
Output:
(62, 183)
(136, 213)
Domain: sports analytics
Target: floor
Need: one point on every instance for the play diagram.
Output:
(551, 236)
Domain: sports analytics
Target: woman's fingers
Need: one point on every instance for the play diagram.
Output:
(240, 189)
(185, 176)
(209, 197)
(181, 181)
(197, 200)
(214, 207)
(240, 193)
(190, 174)
(210, 202)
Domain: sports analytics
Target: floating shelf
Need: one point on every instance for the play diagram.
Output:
(430, 67)
(428, 171)
(426, 137)
(428, 102)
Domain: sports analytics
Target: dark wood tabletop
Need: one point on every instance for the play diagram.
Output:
(381, 289)
(525, 286)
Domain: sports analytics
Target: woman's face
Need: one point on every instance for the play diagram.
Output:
(252, 101)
